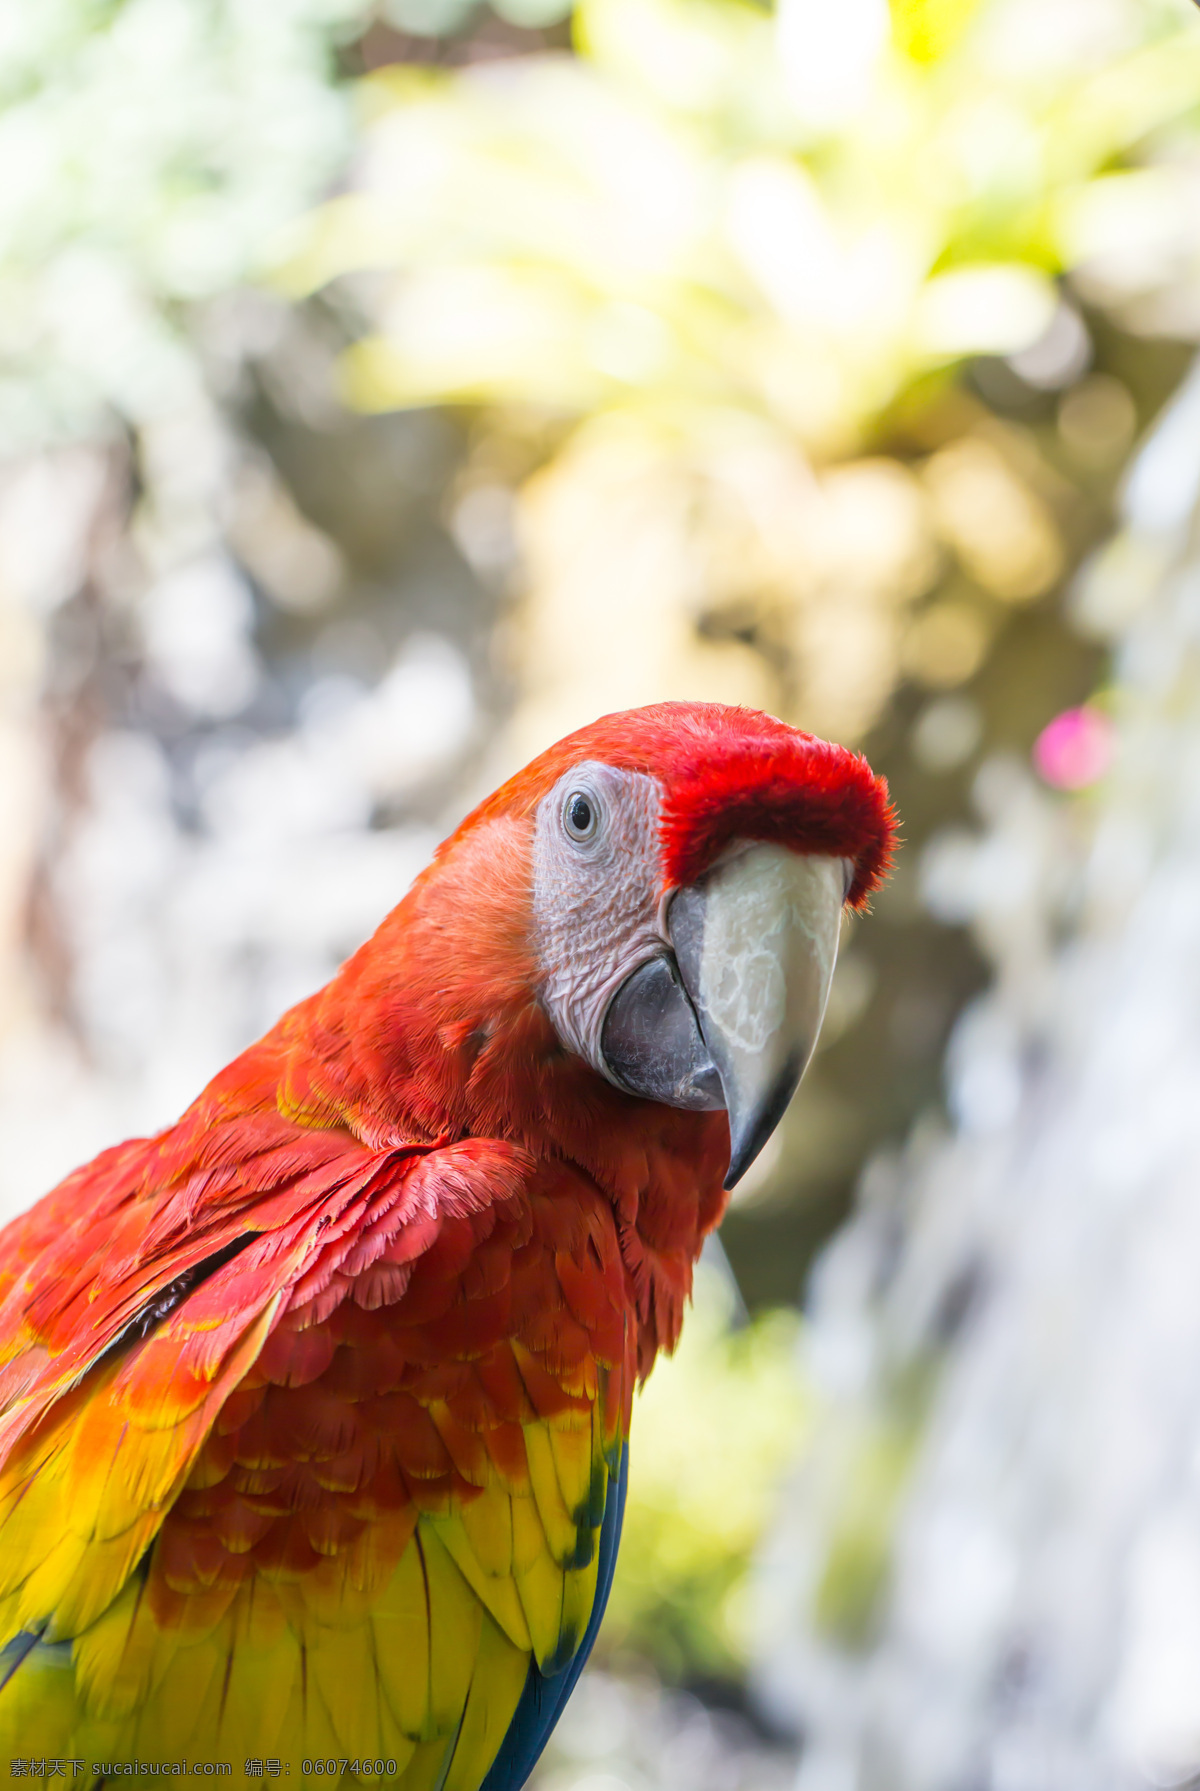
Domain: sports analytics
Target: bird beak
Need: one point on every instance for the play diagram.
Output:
(731, 1019)
(756, 943)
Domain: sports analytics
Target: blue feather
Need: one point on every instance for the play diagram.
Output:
(545, 1695)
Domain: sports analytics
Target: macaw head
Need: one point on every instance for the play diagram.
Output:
(689, 868)
(647, 913)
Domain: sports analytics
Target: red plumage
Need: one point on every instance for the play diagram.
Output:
(735, 773)
(403, 1258)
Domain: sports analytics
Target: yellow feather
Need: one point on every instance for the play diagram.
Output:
(454, 1623)
(147, 1470)
(427, 1767)
(401, 1624)
(206, 1732)
(342, 1672)
(260, 1619)
(574, 1457)
(264, 1656)
(27, 1502)
(529, 1538)
(557, 1521)
(497, 1592)
(315, 1734)
(500, 1674)
(37, 1705)
(330, 1594)
(488, 1523)
(394, 1744)
(541, 1589)
(9, 1624)
(115, 1655)
(167, 1721)
(97, 1573)
(579, 1595)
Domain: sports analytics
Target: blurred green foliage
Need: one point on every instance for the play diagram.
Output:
(857, 1548)
(711, 206)
(714, 1429)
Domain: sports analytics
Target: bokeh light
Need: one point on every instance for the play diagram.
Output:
(1075, 749)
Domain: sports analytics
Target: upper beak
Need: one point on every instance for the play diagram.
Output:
(755, 945)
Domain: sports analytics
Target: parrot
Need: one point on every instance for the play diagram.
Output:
(315, 1406)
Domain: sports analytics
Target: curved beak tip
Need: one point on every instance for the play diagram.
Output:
(737, 1169)
(749, 1132)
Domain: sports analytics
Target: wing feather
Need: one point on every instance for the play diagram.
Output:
(318, 1461)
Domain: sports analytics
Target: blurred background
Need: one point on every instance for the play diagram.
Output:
(387, 388)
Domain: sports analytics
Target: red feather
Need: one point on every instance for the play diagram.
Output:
(731, 773)
(403, 1251)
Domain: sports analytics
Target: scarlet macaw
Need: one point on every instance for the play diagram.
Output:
(314, 1407)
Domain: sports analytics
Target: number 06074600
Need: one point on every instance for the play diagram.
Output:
(360, 1768)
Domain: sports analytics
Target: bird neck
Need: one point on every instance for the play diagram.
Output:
(434, 1032)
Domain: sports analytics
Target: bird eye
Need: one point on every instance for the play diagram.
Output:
(580, 816)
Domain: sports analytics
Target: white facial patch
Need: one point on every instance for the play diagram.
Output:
(595, 896)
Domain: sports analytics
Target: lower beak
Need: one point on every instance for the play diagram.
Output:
(755, 945)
